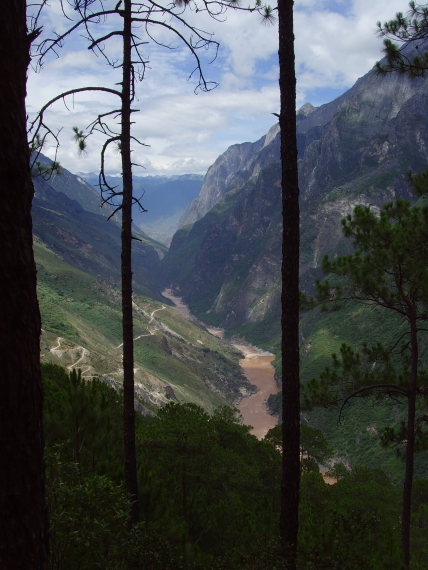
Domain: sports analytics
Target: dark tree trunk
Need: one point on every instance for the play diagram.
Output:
(127, 318)
(410, 447)
(23, 523)
(290, 288)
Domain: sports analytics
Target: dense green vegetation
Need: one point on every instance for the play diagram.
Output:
(388, 270)
(369, 299)
(209, 493)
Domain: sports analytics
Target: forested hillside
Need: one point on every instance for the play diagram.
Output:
(210, 493)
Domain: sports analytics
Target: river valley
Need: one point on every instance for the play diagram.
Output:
(257, 366)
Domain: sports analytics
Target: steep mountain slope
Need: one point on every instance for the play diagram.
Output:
(356, 149)
(78, 260)
(229, 173)
(226, 264)
(74, 187)
(87, 240)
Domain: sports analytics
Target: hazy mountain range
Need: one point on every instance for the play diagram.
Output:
(164, 198)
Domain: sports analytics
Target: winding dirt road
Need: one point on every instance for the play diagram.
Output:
(151, 332)
(78, 352)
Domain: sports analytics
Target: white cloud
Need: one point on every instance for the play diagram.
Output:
(334, 49)
(336, 43)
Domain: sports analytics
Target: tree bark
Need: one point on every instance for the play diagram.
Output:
(127, 316)
(23, 521)
(290, 487)
(410, 447)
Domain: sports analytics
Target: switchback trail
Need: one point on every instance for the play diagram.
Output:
(75, 351)
(151, 332)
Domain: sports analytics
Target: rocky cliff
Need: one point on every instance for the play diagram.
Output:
(356, 149)
(231, 171)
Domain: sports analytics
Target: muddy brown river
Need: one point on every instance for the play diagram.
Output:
(257, 367)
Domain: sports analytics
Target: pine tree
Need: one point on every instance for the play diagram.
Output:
(411, 31)
(389, 269)
(290, 287)
(23, 522)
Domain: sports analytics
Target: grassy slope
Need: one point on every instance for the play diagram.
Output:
(355, 437)
(85, 313)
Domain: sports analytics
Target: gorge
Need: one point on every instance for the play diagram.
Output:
(224, 261)
(256, 365)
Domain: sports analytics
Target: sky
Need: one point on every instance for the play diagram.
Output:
(183, 132)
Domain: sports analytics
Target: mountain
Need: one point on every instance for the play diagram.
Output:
(225, 261)
(226, 264)
(356, 149)
(73, 186)
(229, 173)
(67, 217)
(78, 261)
(164, 197)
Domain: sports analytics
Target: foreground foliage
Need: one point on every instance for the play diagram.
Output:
(209, 493)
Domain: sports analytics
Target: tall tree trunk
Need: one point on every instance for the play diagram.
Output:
(410, 447)
(290, 487)
(127, 318)
(23, 522)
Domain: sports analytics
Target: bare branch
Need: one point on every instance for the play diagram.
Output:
(39, 118)
(50, 44)
(388, 388)
(114, 212)
(193, 47)
(103, 184)
(104, 38)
